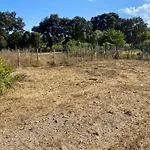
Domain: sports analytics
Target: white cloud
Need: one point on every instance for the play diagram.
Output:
(92, 0)
(141, 11)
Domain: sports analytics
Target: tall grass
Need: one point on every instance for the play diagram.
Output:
(29, 59)
(69, 57)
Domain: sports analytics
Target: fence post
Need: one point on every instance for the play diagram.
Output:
(18, 58)
(37, 50)
(54, 56)
(68, 53)
(92, 53)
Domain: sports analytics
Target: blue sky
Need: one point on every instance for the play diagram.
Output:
(34, 11)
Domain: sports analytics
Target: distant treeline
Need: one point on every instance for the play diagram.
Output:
(55, 32)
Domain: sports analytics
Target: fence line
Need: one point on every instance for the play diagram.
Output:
(26, 58)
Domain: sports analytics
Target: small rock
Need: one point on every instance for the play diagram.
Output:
(96, 134)
(55, 120)
(129, 113)
(110, 112)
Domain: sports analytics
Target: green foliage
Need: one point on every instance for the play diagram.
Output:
(35, 40)
(57, 47)
(138, 56)
(105, 21)
(147, 35)
(5, 78)
(57, 33)
(106, 46)
(44, 48)
(26, 37)
(75, 44)
(114, 37)
(146, 46)
(69, 45)
(10, 23)
(127, 46)
(146, 41)
(135, 30)
(80, 28)
(95, 37)
(15, 40)
(3, 42)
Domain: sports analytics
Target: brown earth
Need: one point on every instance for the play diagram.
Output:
(103, 105)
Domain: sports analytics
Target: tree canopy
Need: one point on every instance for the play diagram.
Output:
(54, 30)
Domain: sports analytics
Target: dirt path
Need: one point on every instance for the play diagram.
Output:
(93, 106)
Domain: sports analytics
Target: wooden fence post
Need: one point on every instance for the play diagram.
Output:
(37, 51)
(18, 58)
(54, 57)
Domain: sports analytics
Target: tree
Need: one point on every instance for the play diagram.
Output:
(9, 22)
(147, 35)
(105, 21)
(134, 29)
(80, 28)
(36, 40)
(48, 25)
(49, 28)
(26, 39)
(55, 29)
(11, 29)
(3, 42)
(95, 37)
(114, 37)
(15, 40)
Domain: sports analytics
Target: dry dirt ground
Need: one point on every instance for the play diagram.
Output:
(101, 105)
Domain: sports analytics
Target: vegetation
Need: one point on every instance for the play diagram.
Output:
(101, 89)
(56, 33)
(5, 78)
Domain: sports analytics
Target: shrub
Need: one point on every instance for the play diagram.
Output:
(57, 47)
(5, 78)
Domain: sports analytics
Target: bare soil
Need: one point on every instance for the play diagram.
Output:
(100, 105)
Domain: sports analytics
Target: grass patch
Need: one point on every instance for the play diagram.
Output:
(138, 56)
(5, 77)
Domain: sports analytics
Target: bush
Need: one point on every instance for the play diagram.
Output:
(5, 78)
(57, 47)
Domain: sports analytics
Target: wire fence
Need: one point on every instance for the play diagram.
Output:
(25, 58)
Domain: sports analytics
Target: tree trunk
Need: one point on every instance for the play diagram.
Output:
(116, 53)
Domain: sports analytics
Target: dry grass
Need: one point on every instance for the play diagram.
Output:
(28, 59)
(100, 105)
